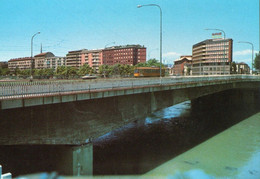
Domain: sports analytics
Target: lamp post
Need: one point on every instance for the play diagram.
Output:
(224, 47)
(32, 53)
(139, 6)
(252, 51)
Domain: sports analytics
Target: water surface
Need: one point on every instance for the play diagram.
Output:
(141, 146)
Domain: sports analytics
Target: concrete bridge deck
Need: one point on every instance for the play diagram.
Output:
(25, 94)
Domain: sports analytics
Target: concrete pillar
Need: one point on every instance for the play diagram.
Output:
(83, 160)
(153, 102)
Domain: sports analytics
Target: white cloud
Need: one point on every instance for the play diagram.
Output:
(244, 52)
(171, 54)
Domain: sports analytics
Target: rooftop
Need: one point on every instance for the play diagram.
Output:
(44, 54)
(20, 59)
(125, 46)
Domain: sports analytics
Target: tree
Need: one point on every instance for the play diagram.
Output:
(233, 68)
(61, 71)
(71, 71)
(17, 71)
(153, 62)
(116, 69)
(25, 72)
(105, 70)
(85, 69)
(150, 63)
(141, 65)
(126, 70)
(49, 71)
(5, 71)
(257, 61)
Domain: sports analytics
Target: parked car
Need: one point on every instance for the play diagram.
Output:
(88, 77)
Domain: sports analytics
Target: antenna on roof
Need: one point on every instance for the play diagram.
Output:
(41, 47)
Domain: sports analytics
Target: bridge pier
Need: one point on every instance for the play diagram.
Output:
(83, 160)
(218, 102)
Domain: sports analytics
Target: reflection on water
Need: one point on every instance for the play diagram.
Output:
(147, 143)
(178, 110)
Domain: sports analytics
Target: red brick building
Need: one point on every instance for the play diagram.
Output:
(179, 64)
(129, 54)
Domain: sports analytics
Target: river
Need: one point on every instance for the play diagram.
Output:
(145, 144)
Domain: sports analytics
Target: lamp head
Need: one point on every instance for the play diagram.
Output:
(138, 6)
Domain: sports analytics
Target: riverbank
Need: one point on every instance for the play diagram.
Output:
(234, 153)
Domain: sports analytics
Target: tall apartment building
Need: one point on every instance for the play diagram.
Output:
(94, 58)
(129, 54)
(77, 58)
(74, 58)
(20, 63)
(212, 57)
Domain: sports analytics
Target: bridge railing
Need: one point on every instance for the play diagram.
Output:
(35, 88)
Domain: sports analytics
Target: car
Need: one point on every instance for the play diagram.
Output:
(88, 77)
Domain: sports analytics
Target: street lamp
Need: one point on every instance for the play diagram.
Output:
(32, 53)
(224, 48)
(252, 51)
(139, 6)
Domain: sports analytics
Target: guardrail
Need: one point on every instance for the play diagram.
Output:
(35, 88)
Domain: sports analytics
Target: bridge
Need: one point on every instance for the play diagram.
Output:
(73, 113)
(25, 94)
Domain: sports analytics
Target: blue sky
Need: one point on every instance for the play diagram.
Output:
(92, 24)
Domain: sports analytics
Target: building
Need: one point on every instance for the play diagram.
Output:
(3, 64)
(20, 63)
(94, 58)
(179, 65)
(74, 58)
(242, 68)
(128, 54)
(40, 60)
(54, 62)
(77, 58)
(212, 57)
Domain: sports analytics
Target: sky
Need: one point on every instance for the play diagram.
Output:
(66, 25)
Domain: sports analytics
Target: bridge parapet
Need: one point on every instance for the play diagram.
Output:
(22, 94)
(24, 89)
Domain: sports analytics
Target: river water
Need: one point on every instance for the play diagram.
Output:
(145, 144)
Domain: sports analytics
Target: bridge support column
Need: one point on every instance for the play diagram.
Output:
(153, 102)
(235, 99)
(83, 160)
